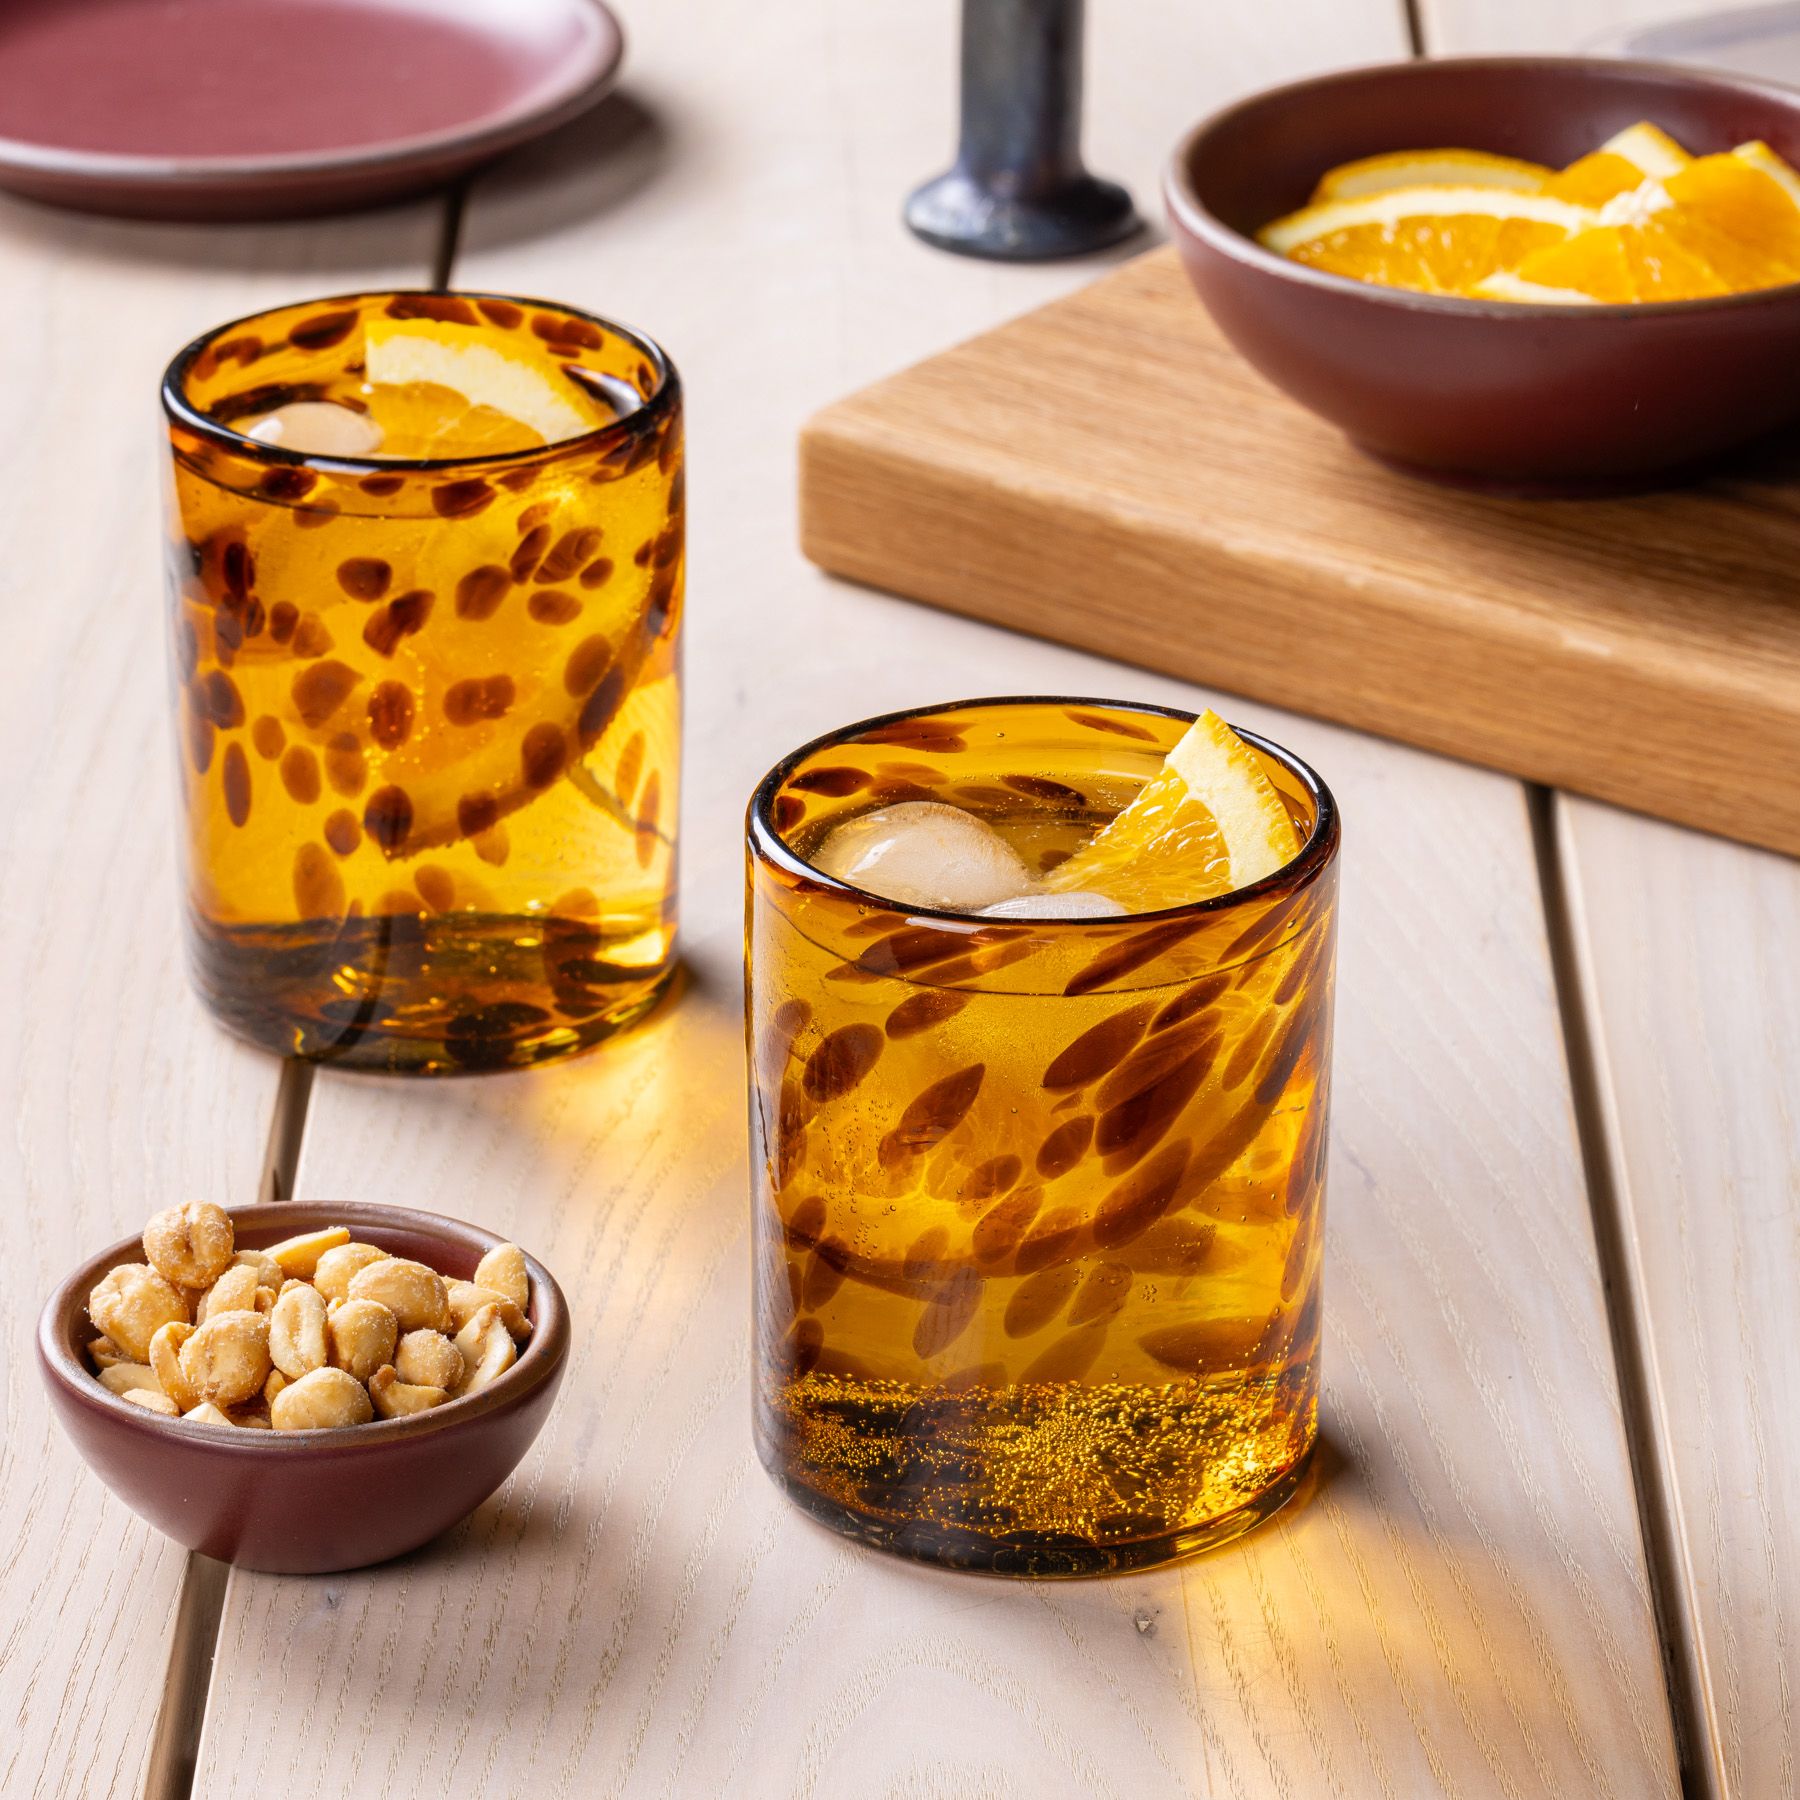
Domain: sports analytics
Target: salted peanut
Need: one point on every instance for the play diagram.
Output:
(466, 1300)
(151, 1401)
(190, 1245)
(395, 1398)
(321, 1401)
(363, 1335)
(503, 1271)
(414, 1294)
(297, 1332)
(234, 1291)
(292, 1282)
(428, 1359)
(121, 1378)
(487, 1349)
(205, 1414)
(332, 1275)
(251, 1418)
(227, 1358)
(300, 1255)
(165, 1359)
(129, 1305)
(268, 1270)
(273, 1386)
(103, 1353)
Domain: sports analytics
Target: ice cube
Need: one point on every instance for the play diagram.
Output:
(1054, 906)
(921, 853)
(317, 428)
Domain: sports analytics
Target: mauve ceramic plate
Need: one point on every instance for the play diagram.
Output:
(256, 109)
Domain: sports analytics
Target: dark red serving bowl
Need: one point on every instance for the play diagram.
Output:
(1561, 395)
(305, 1503)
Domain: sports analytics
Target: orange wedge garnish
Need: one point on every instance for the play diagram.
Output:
(439, 390)
(1207, 823)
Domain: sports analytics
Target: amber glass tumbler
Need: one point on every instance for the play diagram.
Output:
(1037, 1205)
(428, 711)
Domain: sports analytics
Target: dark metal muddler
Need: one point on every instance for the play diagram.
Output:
(1019, 191)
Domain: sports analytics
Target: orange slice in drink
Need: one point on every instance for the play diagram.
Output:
(518, 632)
(1207, 823)
(438, 390)
(1439, 240)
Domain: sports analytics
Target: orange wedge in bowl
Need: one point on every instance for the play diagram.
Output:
(1207, 823)
(1758, 156)
(1430, 168)
(1641, 152)
(1717, 225)
(1742, 212)
(1609, 264)
(1439, 240)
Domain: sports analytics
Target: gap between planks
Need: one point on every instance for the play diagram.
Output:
(1414, 26)
(174, 1752)
(1633, 1358)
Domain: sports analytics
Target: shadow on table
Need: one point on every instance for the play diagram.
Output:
(514, 1523)
(592, 166)
(581, 171)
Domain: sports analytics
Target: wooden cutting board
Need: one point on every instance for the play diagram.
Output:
(1108, 473)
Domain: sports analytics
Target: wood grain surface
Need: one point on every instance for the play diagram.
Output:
(119, 1095)
(1688, 953)
(1200, 523)
(1460, 1608)
(1691, 965)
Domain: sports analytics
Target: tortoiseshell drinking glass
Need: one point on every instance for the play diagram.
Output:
(428, 710)
(1038, 1205)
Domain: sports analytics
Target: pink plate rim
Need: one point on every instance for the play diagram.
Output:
(584, 78)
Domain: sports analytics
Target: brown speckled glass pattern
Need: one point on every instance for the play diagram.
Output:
(1037, 1205)
(427, 712)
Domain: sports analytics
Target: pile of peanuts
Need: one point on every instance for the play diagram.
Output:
(314, 1332)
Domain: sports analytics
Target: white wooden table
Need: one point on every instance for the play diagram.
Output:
(1559, 1528)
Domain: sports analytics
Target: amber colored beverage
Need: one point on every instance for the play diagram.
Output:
(1038, 1204)
(427, 698)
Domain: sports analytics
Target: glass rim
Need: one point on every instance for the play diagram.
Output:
(179, 410)
(1320, 848)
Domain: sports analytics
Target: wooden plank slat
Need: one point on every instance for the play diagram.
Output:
(119, 1095)
(1200, 523)
(1690, 959)
(1688, 955)
(1463, 1605)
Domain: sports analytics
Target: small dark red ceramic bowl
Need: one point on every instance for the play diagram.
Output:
(1564, 396)
(306, 1503)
